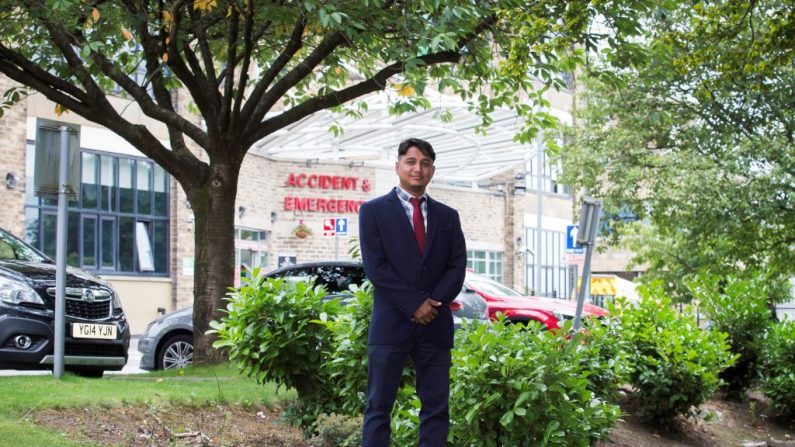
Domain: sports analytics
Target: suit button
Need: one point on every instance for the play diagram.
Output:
(425, 268)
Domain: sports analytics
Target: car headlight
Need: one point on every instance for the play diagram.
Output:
(116, 300)
(15, 292)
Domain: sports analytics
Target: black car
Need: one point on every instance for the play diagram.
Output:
(167, 341)
(97, 334)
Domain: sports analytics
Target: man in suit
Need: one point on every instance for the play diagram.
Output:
(416, 273)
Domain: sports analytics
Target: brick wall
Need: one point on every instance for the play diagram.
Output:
(261, 191)
(12, 160)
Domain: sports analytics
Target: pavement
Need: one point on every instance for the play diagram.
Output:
(133, 360)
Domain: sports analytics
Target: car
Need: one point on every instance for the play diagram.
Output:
(167, 341)
(97, 332)
(517, 308)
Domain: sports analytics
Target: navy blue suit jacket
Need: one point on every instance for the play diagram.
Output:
(403, 277)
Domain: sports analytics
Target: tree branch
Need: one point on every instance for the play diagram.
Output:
(231, 60)
(375, 83)
(248, 48)
(299, 72)
(45, 77)
(192, 78)
(293, 45)
(207, 58)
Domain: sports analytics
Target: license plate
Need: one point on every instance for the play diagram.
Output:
(88, 330)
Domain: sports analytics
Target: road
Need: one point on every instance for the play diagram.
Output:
(134, 359)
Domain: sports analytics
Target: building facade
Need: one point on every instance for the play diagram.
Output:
(132, 224)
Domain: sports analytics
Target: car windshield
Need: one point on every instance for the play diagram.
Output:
(12, 248)
(489, 287)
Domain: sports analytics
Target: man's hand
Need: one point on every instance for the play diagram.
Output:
(426, 312)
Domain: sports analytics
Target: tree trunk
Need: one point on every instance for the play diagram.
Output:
(214, 210)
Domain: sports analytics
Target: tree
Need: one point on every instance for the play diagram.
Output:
(251, 68)
(696, 140)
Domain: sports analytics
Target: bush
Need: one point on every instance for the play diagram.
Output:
(275, 331)
(334, 430)
(605, 360)
(778, 381)
(523, 387)
(510, 386)
(676, 364)
(738, 307)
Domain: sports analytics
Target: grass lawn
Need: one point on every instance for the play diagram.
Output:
(23, 395)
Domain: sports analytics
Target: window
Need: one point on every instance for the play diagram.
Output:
(252, 248)
(549, 176)
(555, 278)
(486, 263)
(119, 223)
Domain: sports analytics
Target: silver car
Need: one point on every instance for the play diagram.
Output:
(167, 341)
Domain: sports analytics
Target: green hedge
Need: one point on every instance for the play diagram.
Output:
(511, 385)
(738, 307)
(517, 386)
(778, 353)
(676, 364)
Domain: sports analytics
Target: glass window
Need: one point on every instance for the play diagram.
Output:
(161, 191)
(88, 181)
(486, 263)
(89, 241)
(554, 278)
(144, 187)
(252, 251)
(108, 239)
(160, 245)
(126, 191)
(107, 177)
(549, 176)
(120, 223)
(143, 246)
(127, 244)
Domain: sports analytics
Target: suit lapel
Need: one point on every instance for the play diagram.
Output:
(403, 222)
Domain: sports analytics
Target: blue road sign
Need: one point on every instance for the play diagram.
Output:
(571, 240)
(342, 226)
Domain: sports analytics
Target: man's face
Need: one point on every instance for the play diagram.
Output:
(415, 170)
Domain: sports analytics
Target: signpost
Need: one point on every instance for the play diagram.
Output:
(586, 235)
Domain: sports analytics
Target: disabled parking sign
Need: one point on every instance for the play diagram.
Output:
(335, 226)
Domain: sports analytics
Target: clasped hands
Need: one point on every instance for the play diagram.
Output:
(426, 312)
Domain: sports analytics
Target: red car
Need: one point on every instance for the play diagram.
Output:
(550, 312)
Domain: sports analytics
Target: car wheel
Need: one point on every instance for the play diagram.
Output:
(176, 352)
(92, 373)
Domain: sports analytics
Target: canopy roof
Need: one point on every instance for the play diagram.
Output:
(462, 155)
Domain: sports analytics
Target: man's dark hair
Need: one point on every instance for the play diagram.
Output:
(422, 145)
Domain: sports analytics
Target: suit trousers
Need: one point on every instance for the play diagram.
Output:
(385, 368)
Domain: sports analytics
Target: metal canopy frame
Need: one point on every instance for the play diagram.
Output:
(462, 155)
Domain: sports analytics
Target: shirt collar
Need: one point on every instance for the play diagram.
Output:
(405, 196)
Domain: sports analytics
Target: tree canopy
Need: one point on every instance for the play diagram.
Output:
(250, 68)
(695, 139)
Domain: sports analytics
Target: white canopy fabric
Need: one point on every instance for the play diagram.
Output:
(462, 155)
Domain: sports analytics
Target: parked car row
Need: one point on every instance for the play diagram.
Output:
(167, 341)
(97, 334)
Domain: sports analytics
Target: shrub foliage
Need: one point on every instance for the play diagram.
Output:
(511, 385)
(778, 383)
(738, 307)
(676, 364)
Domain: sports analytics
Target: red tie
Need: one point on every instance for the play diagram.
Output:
(419, 222)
